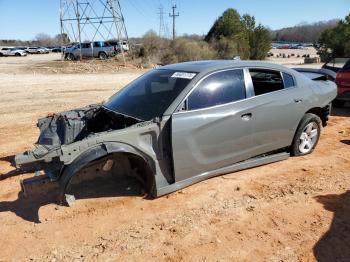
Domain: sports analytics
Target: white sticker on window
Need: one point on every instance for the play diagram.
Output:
(183, 75)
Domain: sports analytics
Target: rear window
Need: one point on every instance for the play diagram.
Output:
(266, 81)
(288, 80)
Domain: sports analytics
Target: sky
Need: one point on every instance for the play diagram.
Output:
(24, 19)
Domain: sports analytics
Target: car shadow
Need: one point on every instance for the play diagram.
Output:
(27, 207)
(335, 243)
(341, 111)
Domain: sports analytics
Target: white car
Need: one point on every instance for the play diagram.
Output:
(6, 51)
(44, 50)
(34, 50)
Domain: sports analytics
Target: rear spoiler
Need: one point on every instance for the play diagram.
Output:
(317, 74)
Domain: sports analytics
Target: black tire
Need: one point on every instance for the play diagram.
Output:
(1, 54)
(338, 103)
(17, 54)
(306, 139)
(102, 56)
(70, 57)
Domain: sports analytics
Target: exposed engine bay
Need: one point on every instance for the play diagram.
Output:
(71, 126)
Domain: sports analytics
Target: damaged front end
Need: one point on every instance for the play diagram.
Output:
(55, 146)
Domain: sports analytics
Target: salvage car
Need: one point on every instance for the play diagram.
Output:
(183, 123)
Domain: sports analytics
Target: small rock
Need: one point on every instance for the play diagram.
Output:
(250, 208)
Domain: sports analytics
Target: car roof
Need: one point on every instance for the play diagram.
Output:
(207, 66)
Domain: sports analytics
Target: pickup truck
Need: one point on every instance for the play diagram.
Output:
(98, 49)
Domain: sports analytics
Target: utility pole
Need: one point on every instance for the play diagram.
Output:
(161, 21)
(174, 17)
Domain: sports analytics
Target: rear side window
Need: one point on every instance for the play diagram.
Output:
(266, 81)
(288, 80)
(85, 45)
(217, 89)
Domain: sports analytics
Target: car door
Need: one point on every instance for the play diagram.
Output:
(277, 108)
(86, 50)
(214, 130)
(96, 48)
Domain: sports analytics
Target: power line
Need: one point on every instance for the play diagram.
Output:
(173, 15)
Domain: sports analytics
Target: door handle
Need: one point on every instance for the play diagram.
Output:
(298, 100)
(246, 117)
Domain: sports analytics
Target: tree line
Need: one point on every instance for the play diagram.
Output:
(40, 40)
(230, 36)
(304, 32)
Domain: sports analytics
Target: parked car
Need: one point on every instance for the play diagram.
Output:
(181, 124)
(44, 50)
(335, 64)
(342, 68)
(343, 83)
(12, 52)
(99, 49)
(32, 50)
(57, 49)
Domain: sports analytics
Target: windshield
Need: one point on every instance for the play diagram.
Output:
(150, 95)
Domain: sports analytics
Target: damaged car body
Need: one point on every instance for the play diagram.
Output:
(181, 124)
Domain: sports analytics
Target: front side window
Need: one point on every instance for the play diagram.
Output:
(266, 81)
(217, 89)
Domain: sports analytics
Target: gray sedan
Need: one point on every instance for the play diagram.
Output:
(183, 123)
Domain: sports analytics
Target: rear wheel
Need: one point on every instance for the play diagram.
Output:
(102, 56)
(70, 57)
(17, 54)
(307, 135)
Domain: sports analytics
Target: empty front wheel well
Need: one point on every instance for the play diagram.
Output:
(118, 166)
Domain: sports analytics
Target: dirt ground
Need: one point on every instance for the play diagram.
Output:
(294, 210)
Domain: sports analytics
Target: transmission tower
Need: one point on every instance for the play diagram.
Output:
(93, 20)
(173, 15)
(162, 30)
